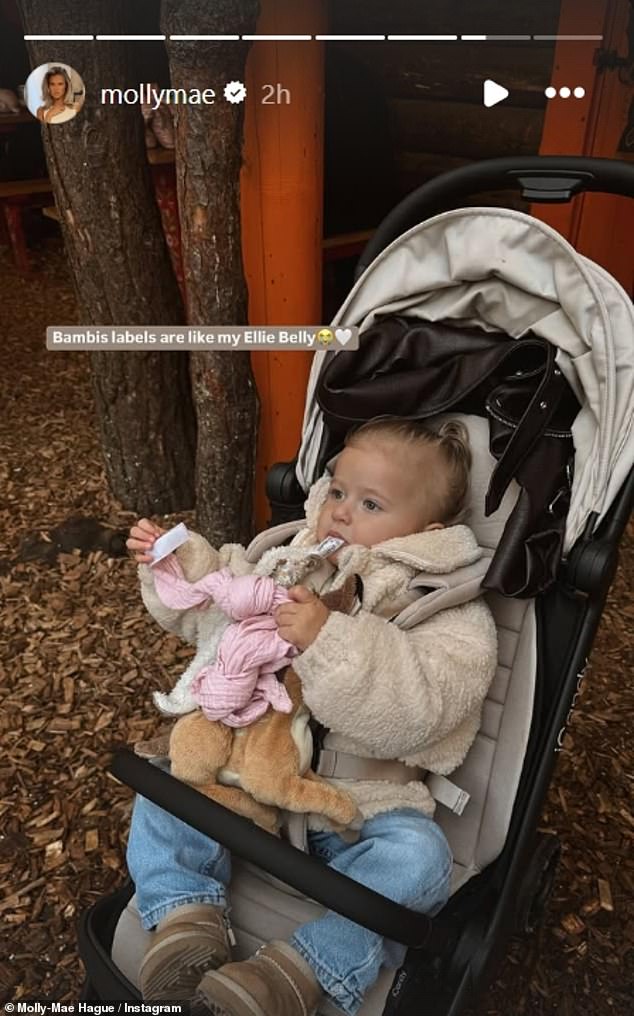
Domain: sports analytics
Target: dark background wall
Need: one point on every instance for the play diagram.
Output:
(401, 113)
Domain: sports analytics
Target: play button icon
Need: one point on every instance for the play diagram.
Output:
(494, 93)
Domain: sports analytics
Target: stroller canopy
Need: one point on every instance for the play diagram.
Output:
(504, 271)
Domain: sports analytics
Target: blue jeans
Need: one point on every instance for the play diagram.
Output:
(402, 854)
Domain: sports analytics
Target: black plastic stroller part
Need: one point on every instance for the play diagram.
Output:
(541, 178)
(95, 934)
(537, 884)
(284, 493)
(593, 560)
(293, 866)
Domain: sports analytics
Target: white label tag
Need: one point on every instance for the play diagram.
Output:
(445, 792)
(168, 542)
(329, 545)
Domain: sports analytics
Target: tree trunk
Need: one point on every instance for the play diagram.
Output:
(118, 259)
(208, 149)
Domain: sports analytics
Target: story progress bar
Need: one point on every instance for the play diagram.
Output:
(316, 38)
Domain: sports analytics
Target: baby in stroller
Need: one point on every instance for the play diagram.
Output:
(409, 698)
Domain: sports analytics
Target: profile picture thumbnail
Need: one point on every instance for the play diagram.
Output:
(54, 93)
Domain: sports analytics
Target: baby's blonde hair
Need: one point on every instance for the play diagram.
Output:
(452, 441)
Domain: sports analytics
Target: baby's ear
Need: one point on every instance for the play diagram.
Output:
(342, 599)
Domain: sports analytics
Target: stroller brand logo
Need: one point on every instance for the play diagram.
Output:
(562, 732)
(398, 984)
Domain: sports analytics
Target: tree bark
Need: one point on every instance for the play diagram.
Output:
(208, 150)
(118, 259)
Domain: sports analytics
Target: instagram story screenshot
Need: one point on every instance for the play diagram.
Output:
(316, 420)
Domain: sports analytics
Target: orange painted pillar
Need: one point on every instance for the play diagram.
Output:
(599, 226)
(606, 223)
(565, 130)
(282, 213)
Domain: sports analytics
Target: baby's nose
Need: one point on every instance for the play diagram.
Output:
(341, 511)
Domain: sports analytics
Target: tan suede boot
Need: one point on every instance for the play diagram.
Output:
(188, 942)
(277, 981)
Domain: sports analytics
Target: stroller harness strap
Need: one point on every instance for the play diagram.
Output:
(342, 765)
(275, 536)
(440, 592)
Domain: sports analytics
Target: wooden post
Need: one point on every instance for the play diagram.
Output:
(282, 201)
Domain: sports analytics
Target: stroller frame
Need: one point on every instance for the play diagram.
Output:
(452, 957)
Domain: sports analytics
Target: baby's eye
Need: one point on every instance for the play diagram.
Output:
(371, 506)
(336, 494)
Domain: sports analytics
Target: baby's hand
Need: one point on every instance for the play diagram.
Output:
(301, 621)
(141, 540)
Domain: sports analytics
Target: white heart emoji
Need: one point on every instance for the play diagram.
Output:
(343, 335)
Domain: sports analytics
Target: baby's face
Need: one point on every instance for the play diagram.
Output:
(378, 492)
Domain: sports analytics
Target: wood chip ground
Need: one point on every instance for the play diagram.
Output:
(79, 657)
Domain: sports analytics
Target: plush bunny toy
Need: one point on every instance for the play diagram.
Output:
(257, 769)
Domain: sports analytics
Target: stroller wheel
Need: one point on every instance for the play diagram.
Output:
(537, 884)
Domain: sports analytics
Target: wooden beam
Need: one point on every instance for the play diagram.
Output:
(445, 16)
(464, 129)
(420, 70)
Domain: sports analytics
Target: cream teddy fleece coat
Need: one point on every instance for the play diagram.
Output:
(383, 692)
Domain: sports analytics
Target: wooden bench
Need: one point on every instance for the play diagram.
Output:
(15, 196)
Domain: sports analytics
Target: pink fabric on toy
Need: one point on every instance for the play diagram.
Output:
(240, 686)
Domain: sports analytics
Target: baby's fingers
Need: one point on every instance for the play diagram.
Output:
(284, 612)
(141, 536)
(140, 552)
(149, 527)
(140, 543)
(143, 558)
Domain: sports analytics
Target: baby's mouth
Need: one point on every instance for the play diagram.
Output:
(334, 535)
(330, 545)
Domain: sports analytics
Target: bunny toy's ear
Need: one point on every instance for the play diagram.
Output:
(157, 747)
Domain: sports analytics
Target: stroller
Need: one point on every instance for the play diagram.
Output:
(482, 274)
